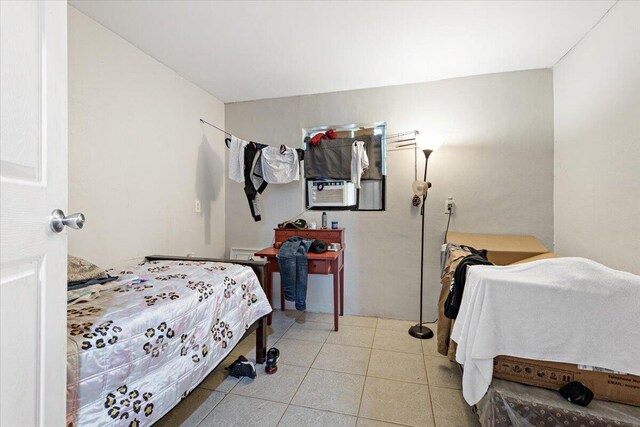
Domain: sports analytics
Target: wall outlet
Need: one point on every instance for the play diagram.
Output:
(198, 207)
(449, 206)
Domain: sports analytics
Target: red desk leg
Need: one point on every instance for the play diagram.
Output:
(336, 290)
(269, 288)
(342, 291)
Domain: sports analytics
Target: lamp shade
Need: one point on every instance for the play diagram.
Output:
(429, 141)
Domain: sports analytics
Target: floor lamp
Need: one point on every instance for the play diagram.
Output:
(428, 143)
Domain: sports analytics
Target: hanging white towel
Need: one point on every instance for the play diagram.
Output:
(236, 159)
(280, 168)
(359, 162)
(570, 310)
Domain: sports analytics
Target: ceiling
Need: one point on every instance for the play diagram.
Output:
(240, 51)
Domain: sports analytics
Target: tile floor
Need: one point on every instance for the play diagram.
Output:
(370, 373)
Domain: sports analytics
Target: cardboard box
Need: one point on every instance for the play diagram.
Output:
(503, 249)
(622, 388)
(536, 258)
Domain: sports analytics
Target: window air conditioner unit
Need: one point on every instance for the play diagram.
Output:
(331, 193)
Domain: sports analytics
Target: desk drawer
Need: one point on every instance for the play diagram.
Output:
(283, 235)
(307, 234)
(318, 267)
(332, 237)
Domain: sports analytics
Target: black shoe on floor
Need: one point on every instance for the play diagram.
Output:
(271, 366)
(576, 392)
(242, 367)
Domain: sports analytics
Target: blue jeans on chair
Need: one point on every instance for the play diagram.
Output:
(292, 260)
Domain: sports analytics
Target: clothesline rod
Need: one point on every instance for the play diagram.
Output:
(212, 125)
(227, 140)
(405, 145)
(401, 141)
(397, 135)
(393, 136)
(388, 137)
(403, 148)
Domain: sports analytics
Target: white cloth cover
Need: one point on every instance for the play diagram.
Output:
(570, 310)
(359, 162)
(236, 159)
(280, 168)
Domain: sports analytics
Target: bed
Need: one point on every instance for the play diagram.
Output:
(145, 341)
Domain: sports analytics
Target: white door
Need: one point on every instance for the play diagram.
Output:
(33, 179)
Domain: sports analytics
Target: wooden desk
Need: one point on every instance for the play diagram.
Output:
(326, 263)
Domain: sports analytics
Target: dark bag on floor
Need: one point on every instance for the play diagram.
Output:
(576, 392)
(452, 304)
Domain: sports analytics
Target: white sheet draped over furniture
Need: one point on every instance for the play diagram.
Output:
(569, 310)
(137, 349)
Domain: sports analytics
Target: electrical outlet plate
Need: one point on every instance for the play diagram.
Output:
(198, 207)
(449, 206)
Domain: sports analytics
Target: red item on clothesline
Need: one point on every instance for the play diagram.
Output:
(315, 140)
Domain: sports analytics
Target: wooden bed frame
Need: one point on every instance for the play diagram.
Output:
(259, 325)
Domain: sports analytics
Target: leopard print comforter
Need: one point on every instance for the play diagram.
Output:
(136, 350)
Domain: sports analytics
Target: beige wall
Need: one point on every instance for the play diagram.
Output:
(597, 143)
(138, 155)
(497, 163)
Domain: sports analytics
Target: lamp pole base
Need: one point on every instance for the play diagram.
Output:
(420, 332)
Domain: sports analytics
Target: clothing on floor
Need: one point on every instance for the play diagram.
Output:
(242, 367)
(280, 166)
(236, 159)
(292, 260)
(359, 162)
(254, 182)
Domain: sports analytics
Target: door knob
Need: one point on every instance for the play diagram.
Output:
(59, 220)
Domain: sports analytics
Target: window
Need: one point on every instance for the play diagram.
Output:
(327, 168)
